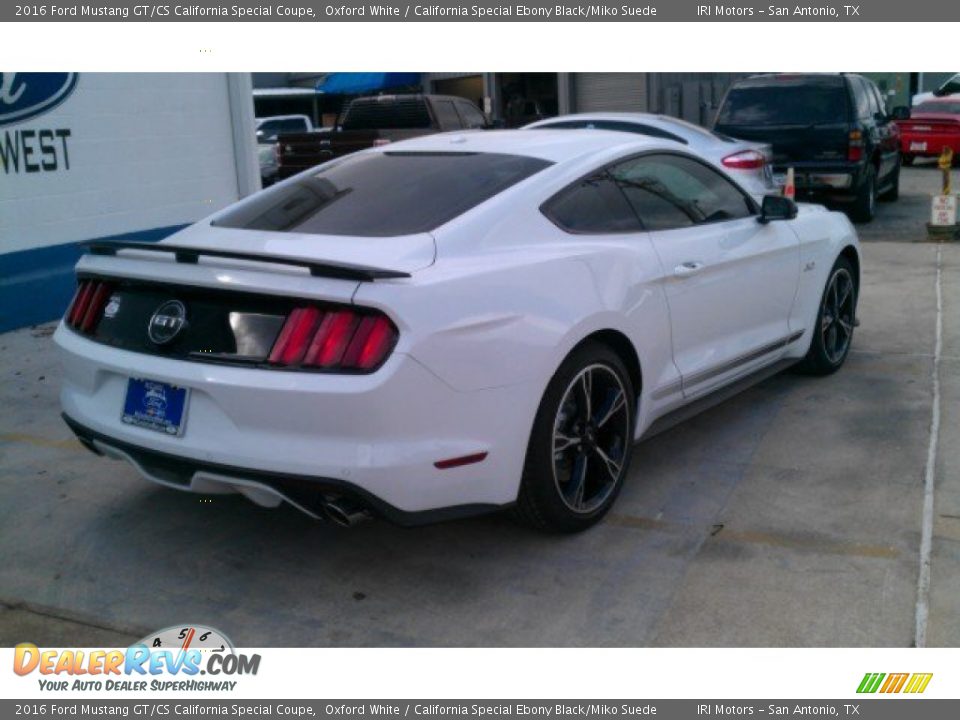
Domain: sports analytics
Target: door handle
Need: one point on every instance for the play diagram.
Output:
(686, 269)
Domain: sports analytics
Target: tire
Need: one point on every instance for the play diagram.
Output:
(893, 192)
(865, 206)
(907, 160)
(826, 355)
(575, 468)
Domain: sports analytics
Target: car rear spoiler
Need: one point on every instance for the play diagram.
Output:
(191, 255)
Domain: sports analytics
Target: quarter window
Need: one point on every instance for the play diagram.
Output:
(471, 116)
(671, 191)
(447, 117)
(593, 205)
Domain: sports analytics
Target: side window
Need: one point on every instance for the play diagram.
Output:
(671, 191)
(446, 114)
(293, 125)
(472, 118)
(864, 100)
(593, 205)
(878, 96)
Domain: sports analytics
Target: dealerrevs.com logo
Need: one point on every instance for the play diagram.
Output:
(888, 683)
(172, 660)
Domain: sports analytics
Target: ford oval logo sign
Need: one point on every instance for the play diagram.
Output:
(167, 322)
(26, 95)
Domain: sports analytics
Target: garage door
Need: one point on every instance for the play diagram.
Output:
(625, 92)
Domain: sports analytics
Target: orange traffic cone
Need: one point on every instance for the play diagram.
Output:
(790, 189)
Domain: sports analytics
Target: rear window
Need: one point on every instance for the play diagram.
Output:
(951, 108)
(398, 113)
(785, 102)
(383, 194)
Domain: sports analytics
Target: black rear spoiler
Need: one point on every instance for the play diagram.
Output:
(191, 255)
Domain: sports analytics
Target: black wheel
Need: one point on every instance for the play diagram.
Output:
(865, 205)
(833, 330)
(907, 159)
(579, 450)
(893, 192)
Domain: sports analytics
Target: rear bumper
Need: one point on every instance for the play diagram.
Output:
(836, 181)
(309, 494)
(373, 437)
(929, 145)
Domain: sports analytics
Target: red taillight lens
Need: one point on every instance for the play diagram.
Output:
(746, 160)
(80, 302)
(86, 309)
(855, 148)
(291, 344)
(333, 340)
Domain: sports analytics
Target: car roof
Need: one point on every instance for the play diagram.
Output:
(811, 78)
(683, 129)
(552, 145)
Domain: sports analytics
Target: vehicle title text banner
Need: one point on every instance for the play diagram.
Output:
(451, 11)
(186, 708)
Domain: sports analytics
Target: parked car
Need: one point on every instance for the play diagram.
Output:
(748, 162)
(374, 121)
(268, 128)
(930, 127)
(267, 157)
(833, 129)
(450, 325)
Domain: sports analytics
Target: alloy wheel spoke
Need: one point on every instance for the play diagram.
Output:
(826, 322)
(578, 480)
(847, 327)
(611, 465)
(586, 389)
(619, 400)
(845, 295)
(563, 442)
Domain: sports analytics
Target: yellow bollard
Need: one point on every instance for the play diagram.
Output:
(945, 163)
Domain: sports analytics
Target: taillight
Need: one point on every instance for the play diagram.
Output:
(87, 305)
(746, 160)
(336, 339)
(380, 142)
(855, 147)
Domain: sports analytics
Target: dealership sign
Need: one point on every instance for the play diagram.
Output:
(24, 96)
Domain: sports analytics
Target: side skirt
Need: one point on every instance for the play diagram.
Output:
(712, 399)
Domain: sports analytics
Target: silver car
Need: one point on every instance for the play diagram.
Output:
(748, 162)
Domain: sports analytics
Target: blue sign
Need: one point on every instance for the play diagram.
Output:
(26, 95)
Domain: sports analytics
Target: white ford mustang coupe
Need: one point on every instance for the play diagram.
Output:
(450, 325)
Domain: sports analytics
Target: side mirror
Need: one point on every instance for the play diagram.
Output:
(777, 207)
(901, 112)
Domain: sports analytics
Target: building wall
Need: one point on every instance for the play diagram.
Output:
(620, 92)
(137, 157)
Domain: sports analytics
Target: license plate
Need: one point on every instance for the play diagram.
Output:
(918, 147)
(155, 406)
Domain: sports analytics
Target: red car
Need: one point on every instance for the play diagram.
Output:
(933, 125)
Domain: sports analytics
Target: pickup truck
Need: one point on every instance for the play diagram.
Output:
(372, 121)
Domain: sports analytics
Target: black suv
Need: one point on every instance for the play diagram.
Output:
(833, 130)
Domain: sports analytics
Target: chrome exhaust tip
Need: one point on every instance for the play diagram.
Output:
(346, 513)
